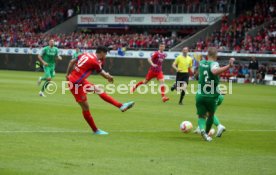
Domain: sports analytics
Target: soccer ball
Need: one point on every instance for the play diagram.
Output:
(211, 132)
(186, 126)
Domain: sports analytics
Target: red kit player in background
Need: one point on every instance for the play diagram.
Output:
(77, 72)
(155, 71)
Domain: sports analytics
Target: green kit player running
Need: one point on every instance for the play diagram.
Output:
(47, 58)
(208, 92)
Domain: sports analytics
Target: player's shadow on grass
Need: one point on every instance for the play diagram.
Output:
(190, 137)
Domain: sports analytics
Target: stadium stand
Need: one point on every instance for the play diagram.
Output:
(88, 41)
(233, 34)
(154, 6)
(23, 23)
(34, 15)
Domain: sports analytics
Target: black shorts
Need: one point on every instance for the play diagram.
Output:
(181, 78)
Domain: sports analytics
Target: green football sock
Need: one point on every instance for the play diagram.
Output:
(45, 85)
(209, 123)
(216, 120)
(201, 123)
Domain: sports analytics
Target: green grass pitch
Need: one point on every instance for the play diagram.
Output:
(43, 136)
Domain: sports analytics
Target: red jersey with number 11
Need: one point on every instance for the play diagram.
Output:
(86, 64)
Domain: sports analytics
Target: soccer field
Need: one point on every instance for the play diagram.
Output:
(43, 136)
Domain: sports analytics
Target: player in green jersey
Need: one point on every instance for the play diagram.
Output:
(77, 53)
(220, 127)
(208, 92)
(48, 57)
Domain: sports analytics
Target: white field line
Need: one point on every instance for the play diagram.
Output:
(120, 131)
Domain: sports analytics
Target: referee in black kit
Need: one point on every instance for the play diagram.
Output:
(182, 64)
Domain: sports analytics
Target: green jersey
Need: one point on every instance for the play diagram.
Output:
(49, 55)
(76, 54)
(208, 82)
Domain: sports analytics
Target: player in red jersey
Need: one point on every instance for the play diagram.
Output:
(77, 72)
(155, 71)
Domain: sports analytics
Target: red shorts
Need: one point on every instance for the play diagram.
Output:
(80, 90)
(157, 75)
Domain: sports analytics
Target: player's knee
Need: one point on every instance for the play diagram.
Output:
(145, 81)
(48, 79)
(98, 90)
(210, 115)
(84, 106)
(201, 116)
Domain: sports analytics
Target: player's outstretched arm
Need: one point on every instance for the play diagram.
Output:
(107, 76)
(219, 70)
(70, 67)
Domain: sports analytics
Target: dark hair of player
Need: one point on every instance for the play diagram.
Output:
(101, 49)
(161, 44)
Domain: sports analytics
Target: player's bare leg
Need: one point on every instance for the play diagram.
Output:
(122, 106)
(89, 119)
(145, 81)
(163, 89)
(39, 81)
(47, 82)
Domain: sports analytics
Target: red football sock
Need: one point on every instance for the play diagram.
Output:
(137, 85)
(89, 120)
(162, 90)
(110, 100)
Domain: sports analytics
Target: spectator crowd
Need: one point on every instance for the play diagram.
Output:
(23, 23)
(155, 6)
(233, 35)
(88, 40)
(252, 72)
